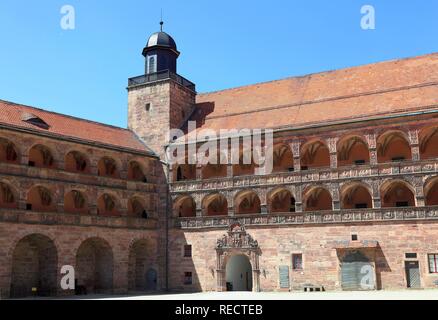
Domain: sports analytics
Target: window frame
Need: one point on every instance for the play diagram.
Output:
(435, 261)
(294, 255)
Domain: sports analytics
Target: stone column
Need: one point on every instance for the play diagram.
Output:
(335, 197)
(372, 146)
(413, 142)
(295, 147)
(377, 203)
(332, 146)
(419, 192)
(198, 172)
(298, 199)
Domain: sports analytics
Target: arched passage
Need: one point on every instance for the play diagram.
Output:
(184, 206)
(75, 202)
(107, 205)
(238, 273)
(94, 266)
(8, 198)
(397, 193)
(352, 150)
(185, 172)
(429, 143)
(315, 155)
(76, 161)
(215, 205)
(40, 198)
(393, 146)
(137, 208)
(107, 167)
(41, 156)
(431, 192)
(135, 172)
(355, 195)
(247, 202)
(281, 200)
(140, 263)
(34, 265)
(317, 199)
(283, 160)
(8, 151)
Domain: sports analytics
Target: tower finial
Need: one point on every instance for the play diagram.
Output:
(161, 21)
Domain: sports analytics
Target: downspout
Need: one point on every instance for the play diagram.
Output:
(165, 163)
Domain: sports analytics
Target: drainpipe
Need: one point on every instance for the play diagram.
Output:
(165, 163)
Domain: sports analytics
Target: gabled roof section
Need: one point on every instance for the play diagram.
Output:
(68, 127)
(380, 89)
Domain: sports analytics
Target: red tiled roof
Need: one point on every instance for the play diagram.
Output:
(69, 127)
(383, 88)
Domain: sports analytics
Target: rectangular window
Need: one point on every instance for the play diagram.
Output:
(303, 168)
(187, 278)
(411, 256)
(28, 206)
(359, 162)
(31, 163)
(433, 263)
(187, 251)
(354, 237)
(297, 261)
(361, 206)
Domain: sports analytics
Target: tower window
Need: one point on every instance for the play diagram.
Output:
(188, 278)
(148, 106)
(187, 251)
(297, 261)
(151, 65)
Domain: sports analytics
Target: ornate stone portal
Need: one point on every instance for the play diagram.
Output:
(237, 242)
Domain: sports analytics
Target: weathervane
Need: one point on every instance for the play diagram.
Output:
(161, 21)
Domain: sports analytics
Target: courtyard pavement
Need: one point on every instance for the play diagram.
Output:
(335, 295)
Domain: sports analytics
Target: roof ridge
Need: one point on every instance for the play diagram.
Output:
(63, 115)
(319, 72)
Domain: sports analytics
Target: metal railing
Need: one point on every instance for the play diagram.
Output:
(161, 75)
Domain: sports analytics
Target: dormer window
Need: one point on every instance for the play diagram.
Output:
(34, 120)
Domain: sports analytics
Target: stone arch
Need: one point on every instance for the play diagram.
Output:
(140, 261)
(393, 145)
(8, 196)
(397, 193)
(75, 201)
(94, 266)
(136, 171)
(242, 168)
(8, 151)
(237, 242)
(282, 157)
(356, 195)
(428, 138)
(215, 204)
(108, 167)
(280, 200)
(76, 161)
(314, 154)
(352, 149)
(184, 206)
(107, 205)
(247, 202)
(137, 207)
(431, 191)
(40, 198)
(317, 198)
(34, 265)
(41, 156)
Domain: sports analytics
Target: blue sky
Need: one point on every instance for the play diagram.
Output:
(223, 44)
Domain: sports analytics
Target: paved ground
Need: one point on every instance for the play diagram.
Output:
(369, 295)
